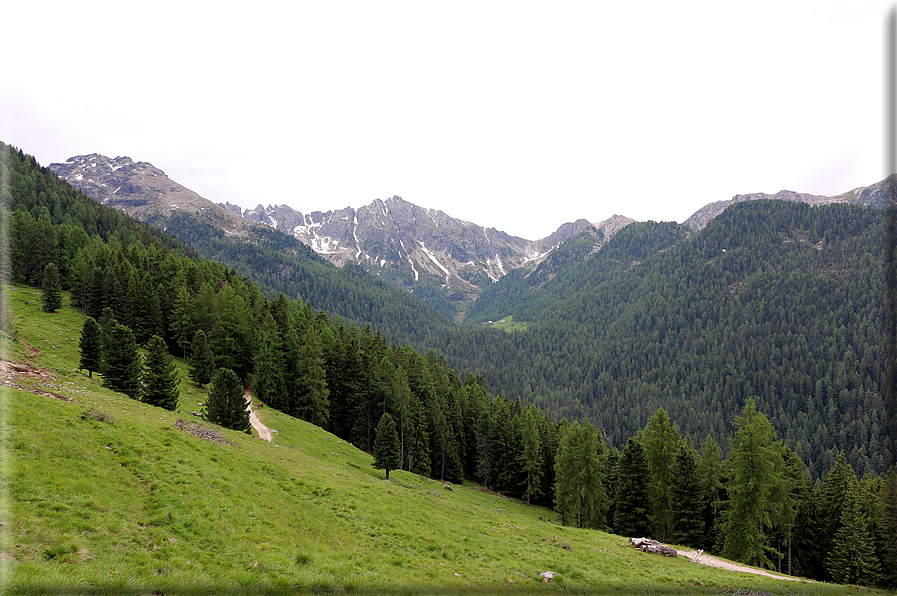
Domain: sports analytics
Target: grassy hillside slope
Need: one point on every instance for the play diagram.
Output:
(105, 495)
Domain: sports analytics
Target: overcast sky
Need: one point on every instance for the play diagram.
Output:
(515, 115)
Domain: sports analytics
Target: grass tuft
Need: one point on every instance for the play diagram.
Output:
(99, 416)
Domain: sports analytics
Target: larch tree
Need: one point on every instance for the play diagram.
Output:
(579, 490)
(661, 443)
(756, 468)
(160, 376)
(531, 455)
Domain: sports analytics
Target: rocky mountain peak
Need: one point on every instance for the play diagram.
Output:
(411, 245)
(140, 189)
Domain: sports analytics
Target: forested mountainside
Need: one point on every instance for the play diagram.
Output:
(276, 262)
(765, 302)
(135, 285)
(525, 294)
(282, 264)
(783, 301)
(444, 261)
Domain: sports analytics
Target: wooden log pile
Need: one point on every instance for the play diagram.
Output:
(653, 546)
(198, 430)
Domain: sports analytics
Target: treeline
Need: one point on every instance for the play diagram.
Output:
(790, 303)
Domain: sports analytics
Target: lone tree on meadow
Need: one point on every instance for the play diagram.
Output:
(51, 298)
(387, 450)
(226, 405)
(91, 346)
(160, 376)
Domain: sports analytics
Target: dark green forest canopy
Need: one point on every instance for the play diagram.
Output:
(782, 301)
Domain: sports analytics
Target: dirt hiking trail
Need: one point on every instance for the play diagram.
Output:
(263, 431)
(711, 561)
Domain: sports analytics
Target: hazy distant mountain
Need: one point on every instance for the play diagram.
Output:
(880, 194)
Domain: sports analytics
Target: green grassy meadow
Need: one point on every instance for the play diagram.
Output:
(104, 495)
(509, 324)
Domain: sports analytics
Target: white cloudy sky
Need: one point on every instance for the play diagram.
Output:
(513, 114)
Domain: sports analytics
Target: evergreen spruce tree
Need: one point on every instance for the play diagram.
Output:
(832, 498)
(201, 361)
(91, 347)
(610, 485)
(225, 404)
(121, 361)
(387, 453)
(180, 320)
(632, 499)
(688, 500)
(160, 376)
(51, 287)
(852, 559)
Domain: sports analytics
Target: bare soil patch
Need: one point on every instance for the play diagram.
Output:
(711, 561)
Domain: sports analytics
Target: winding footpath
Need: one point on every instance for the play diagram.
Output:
(263, 431)
(711, 561)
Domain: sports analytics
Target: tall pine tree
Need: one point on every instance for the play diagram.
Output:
(51, 287)
(91, 346)
(852, 559)
(387, 454)
(201, 361)
(121, 361)
(225, 404)
(632, 500)
(756, 466)
(160, 376)
(688, 499)
(579, 490)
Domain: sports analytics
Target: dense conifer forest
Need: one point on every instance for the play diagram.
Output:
(716, 376)
(782, 301)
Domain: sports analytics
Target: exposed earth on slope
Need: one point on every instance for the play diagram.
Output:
(711, 561)
(263, 431)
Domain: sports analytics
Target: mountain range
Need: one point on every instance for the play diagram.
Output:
(447, 261)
